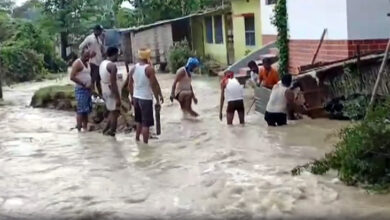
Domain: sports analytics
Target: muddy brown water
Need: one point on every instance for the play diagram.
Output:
(197, 169)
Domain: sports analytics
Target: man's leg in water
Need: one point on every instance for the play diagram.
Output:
(79, 120)
(138, 132)
(229, 118)
(85, 121)
(145, 134)
(189, 106)
(108, 125)
(114, 121)
(241, 116)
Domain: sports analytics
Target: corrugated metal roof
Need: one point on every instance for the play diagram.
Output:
(158, 23)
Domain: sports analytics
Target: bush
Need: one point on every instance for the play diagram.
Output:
(362, 157)
(28, 37)
(179, 54)
(21, 64)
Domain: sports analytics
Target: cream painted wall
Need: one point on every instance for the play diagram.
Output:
(308, 18)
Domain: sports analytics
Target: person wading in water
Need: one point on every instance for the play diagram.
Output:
(234, 94)
(81, 75)
(143, 85)
(95, 44)
(182, 88)
(111, 93)
(268, 76)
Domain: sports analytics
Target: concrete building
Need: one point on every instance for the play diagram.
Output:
(349, 23)
(247, 31)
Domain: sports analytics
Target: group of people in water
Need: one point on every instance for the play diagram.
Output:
(96, 70)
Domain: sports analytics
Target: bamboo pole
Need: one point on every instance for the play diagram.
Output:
(379, 77)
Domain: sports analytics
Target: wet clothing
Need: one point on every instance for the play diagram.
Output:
(84, 75)
(268, 78)
(84, 100)
(143, 110)
(95, 44)
(237, 105)
(275, 119)
(142, 88)
(276, 110)
(233, 90)
(184, 85)
(108, 95)
(277, 102)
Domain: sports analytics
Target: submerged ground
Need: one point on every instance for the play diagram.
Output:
(199, 169)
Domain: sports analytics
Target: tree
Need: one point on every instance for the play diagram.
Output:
(74, 18)
(6, 6)
(30, 10)
(149, 11)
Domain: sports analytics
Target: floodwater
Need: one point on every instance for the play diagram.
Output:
(197, 169)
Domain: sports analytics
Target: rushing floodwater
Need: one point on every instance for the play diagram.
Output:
(198, 169)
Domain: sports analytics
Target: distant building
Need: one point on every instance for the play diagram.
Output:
(247, 30)
(349, 23)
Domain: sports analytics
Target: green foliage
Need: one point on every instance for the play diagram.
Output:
(149, 11)
(280, 20)
(20, 64)
(362, 157)
(50, 95)
(178, 55)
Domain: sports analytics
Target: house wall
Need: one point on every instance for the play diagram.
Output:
(368, 19)
(158, 39)
(239, 9)
(217, 51)
(349, 23)
(268, 30)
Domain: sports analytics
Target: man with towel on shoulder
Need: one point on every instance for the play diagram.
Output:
(143, 85)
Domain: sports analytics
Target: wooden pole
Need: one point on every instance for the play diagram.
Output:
(319, 46)
(379, 77)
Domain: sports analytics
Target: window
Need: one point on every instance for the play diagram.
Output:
(218, 29)
(250, 36)
(270, 2)
(209, 29)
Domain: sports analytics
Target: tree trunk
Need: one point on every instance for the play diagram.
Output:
(1, 82)
(64, 44)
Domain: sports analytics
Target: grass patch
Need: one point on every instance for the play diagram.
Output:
(49, 97)
(362, 157)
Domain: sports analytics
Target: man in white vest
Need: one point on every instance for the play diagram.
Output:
(143, 85)
(233, 92)
(111, 93)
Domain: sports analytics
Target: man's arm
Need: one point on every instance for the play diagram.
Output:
(151, 74)
(131, 83)
(112, 69)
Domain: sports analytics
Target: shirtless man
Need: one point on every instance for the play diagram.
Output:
(182, 88)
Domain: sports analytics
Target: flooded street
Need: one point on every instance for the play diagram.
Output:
(197, 169)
